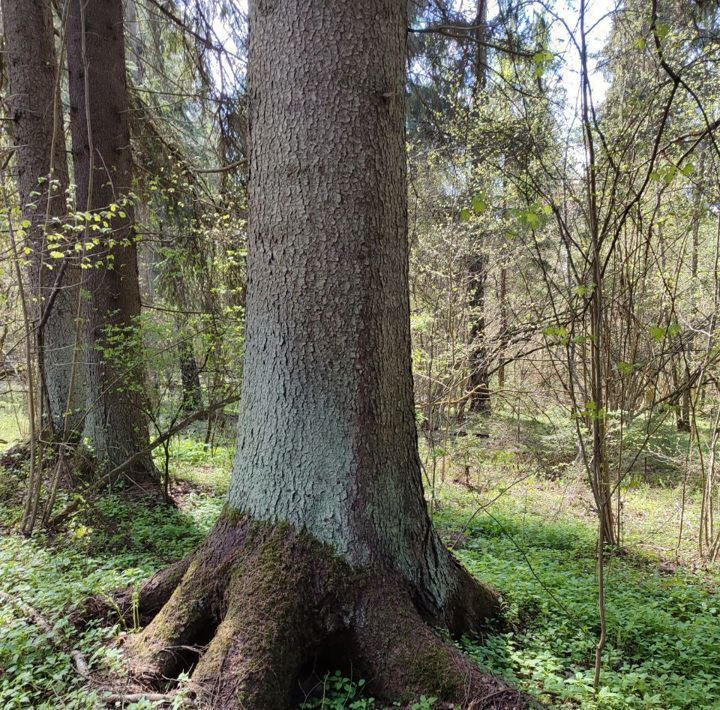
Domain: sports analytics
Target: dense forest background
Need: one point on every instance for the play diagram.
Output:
(564, 226)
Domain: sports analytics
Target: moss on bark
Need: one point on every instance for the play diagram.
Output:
(258, 602)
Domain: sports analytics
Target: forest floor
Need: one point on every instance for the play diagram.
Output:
(527, 531)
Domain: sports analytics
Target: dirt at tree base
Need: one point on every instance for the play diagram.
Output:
(260, 609)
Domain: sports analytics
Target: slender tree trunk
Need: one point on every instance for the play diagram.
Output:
(135, 44)
(189, 376)
(504, 326)
(600, 473)
(42, 179)
(684, 419)
(326, 549)
(477, 271)
(116, 421)
(479, 379)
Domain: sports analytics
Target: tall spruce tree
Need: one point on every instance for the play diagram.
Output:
(326, 546)
(42, 180)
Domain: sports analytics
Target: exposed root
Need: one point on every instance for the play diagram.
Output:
(265, 603)
(194, 609)
(132, 606)
(471, 606)
(403, 658)
(259, 647)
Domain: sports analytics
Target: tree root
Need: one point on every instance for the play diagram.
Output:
(268, 604)
(131, 606)
(14, 458)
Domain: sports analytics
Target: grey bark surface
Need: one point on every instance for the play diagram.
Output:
(327, 438)
(42, 180)
(325, 551)
(116, 421)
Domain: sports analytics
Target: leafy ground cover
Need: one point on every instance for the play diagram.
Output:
(530, 536)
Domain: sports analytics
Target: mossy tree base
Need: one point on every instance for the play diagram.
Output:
(257, 606)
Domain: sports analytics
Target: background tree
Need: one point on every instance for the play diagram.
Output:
(42, 180)
(116, 410)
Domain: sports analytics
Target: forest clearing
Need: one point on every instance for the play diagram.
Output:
(359, 354)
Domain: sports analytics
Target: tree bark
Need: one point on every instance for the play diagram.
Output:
(116, 420)
(326, 548)
(480, 401)
(42, 180)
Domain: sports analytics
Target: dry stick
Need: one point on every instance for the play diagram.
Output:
(139, 455)
(79, 660)
(30, 612)
(81, 665)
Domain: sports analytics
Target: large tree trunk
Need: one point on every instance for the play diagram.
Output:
(42, 180)
(326, 548)
(116, 421)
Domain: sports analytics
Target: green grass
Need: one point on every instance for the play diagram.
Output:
(664, 627)
(533, 541)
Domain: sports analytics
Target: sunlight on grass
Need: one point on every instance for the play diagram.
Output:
(13, 421)
(664, 626)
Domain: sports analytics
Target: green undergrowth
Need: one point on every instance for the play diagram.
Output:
(113, 545)
(663, 647)
(534, 543)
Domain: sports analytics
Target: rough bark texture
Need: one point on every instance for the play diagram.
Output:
(327, 438)
(116, 423)
(479, 379)
(42, 180)
(326, 549)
